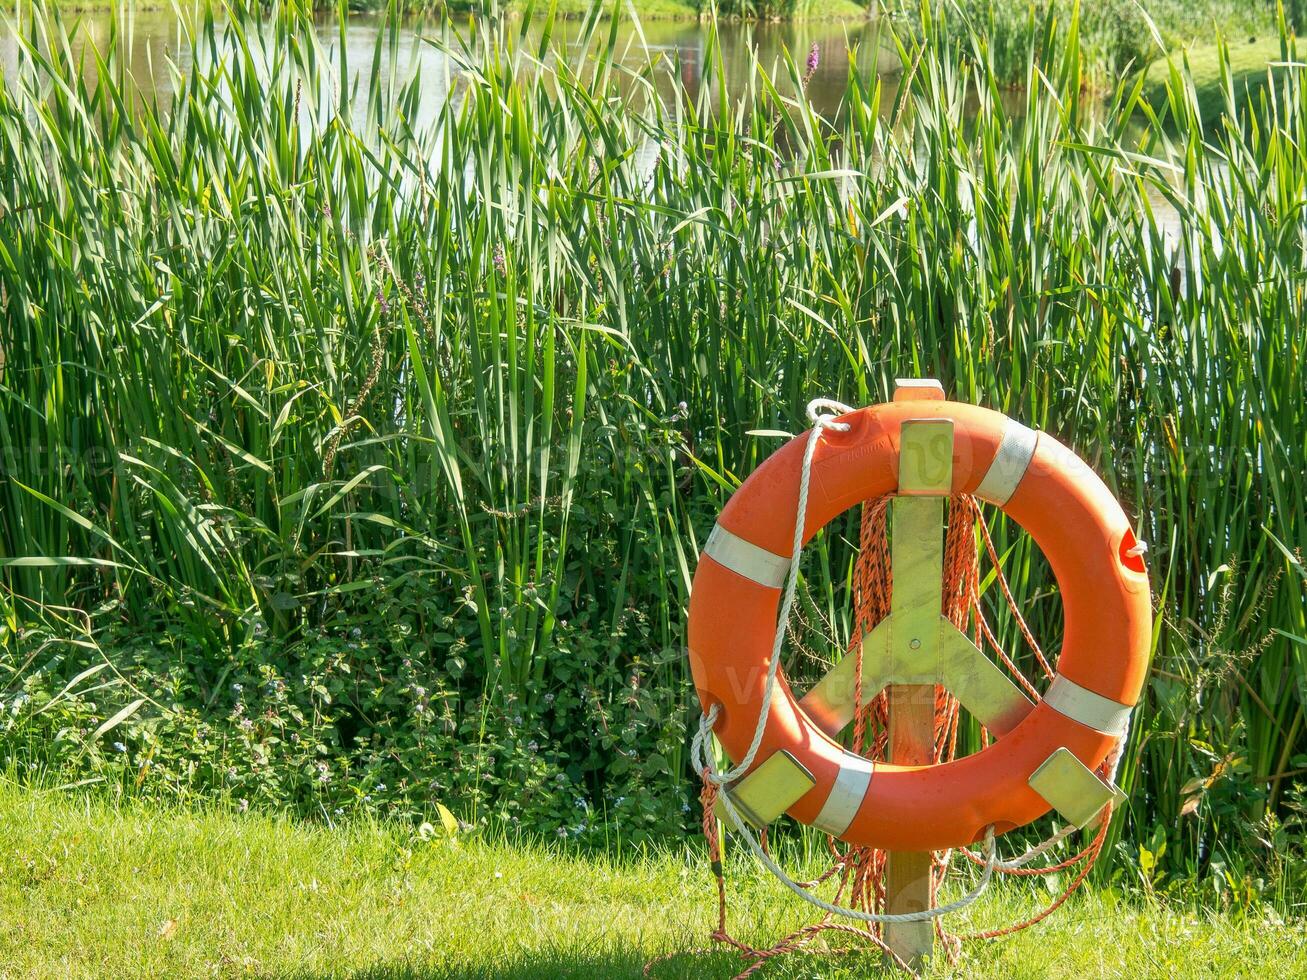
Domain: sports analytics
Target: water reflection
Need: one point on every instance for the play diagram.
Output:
(150, 40)
(154, 48)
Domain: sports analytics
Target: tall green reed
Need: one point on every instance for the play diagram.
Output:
(286, 350)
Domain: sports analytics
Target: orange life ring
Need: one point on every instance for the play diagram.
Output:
(1048, 491)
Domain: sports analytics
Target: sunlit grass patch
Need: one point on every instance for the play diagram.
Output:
(1252, 65)
(90, 890)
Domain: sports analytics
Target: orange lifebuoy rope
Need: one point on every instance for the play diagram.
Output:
(1096, 560)
(861, 869)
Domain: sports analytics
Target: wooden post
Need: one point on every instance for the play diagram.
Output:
(907, 873)
(917, 557)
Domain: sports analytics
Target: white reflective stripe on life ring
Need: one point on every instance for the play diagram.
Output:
(746, 558)
(1015, 450)
(1080, 704)
(846, 795)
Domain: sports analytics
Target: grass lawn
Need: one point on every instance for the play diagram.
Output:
(1252, 64)
(87, 890)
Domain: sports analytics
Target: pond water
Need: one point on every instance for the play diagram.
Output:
(150, 39)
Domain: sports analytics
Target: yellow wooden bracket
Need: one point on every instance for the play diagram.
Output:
(1073, 789)
(955, 662)
(915, 647)
(771, 788)
(915, 644)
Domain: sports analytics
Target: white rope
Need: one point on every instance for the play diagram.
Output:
(703, 760)
(1120, 747)
(1038, 849)
(738, 826)
(820, 422)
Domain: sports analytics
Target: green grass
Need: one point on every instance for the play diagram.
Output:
(90, 890)
(1235, 78)
(335, 434)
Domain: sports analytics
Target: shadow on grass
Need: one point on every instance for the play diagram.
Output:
(610, 966)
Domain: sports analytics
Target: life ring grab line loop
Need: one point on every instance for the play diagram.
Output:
(745, 558)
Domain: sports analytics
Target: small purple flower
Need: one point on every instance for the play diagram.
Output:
(814, 59)
(500, 263)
